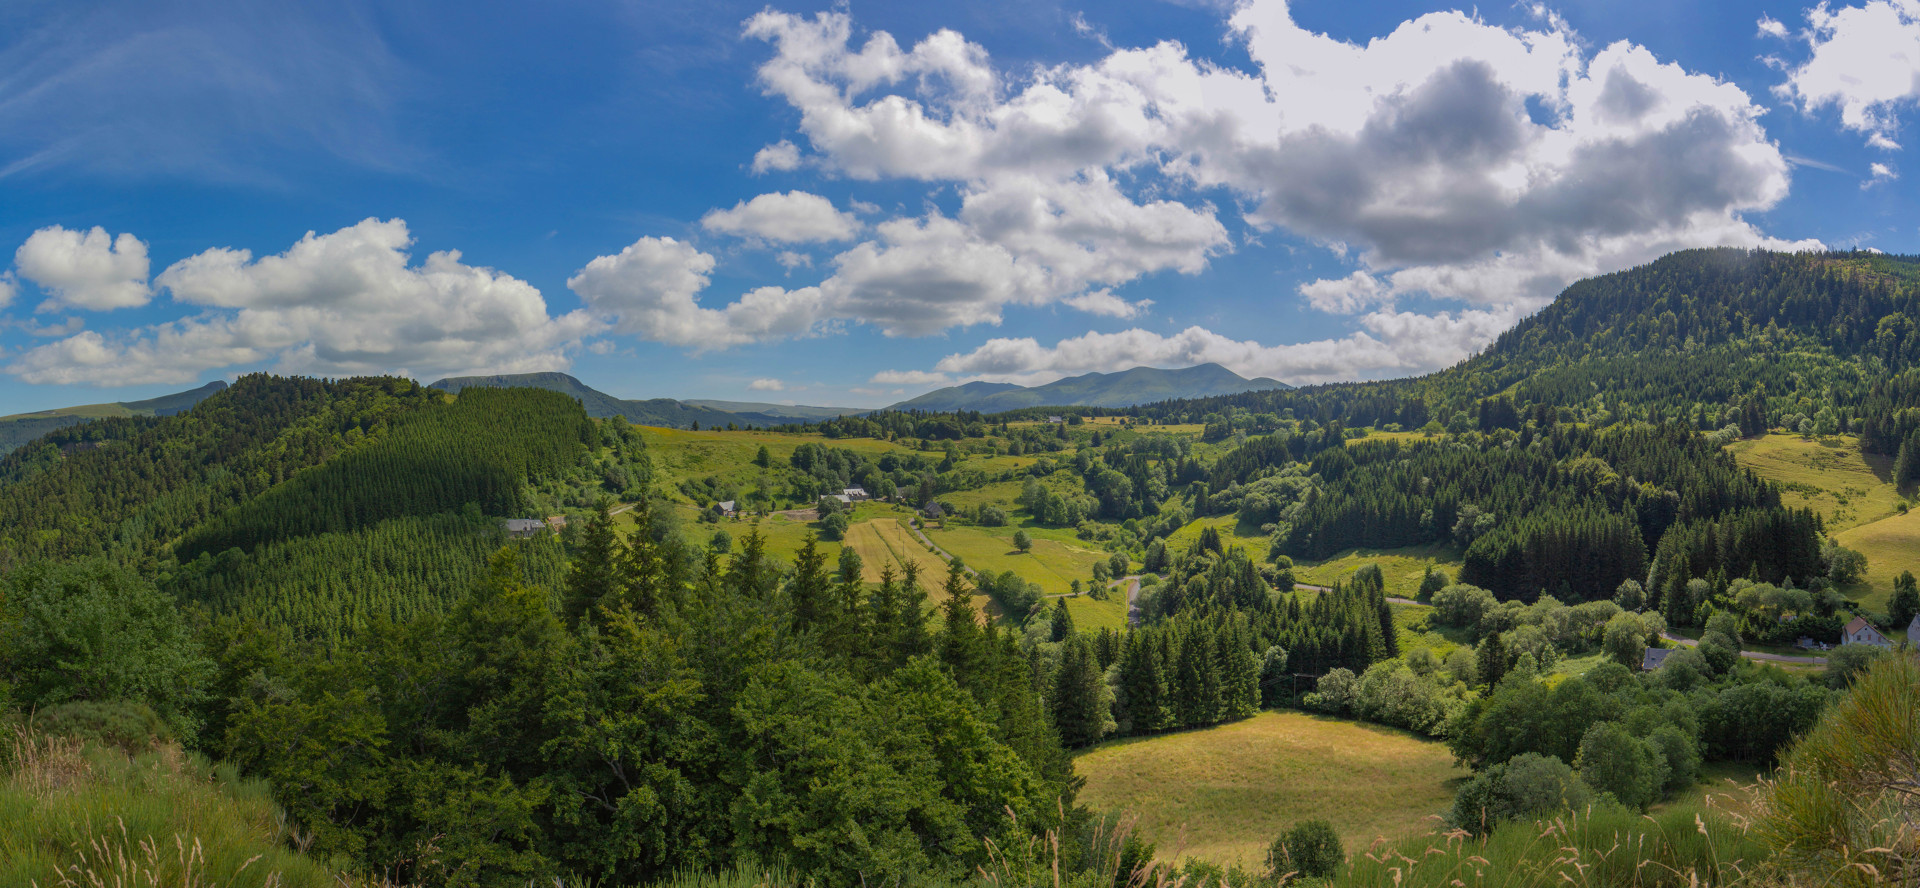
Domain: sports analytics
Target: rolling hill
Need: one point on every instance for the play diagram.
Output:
(1128, 388)
(20, 428)
(662, 412)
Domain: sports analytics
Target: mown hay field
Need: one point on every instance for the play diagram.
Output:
(1223, 793)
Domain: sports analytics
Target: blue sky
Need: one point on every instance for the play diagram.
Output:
(850, 204)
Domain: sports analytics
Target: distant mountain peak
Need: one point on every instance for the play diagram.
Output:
(1124, 388)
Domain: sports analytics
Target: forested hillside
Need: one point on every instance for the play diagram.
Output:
(1707, 338)
(314, 582)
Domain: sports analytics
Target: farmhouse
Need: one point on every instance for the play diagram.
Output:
(1859, 631)
(522, 528)
(855, 494)
(1056, 419)
(1654, 658)
(1913, 632)
(843, 498)
(933, 510)
(727, 509)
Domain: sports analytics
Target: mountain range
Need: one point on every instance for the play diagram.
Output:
(1127, 388)
(23, 427)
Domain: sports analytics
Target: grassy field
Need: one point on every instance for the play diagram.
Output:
(1891, 546)
(679, 454)
(1053, 563)
(1832, 477)
(1232, 532)
(1414, 622)
(1402, 568)
(1223, 793)
(1092, 615)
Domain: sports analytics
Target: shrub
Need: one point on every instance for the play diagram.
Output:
(1528, 786)
(1622, 765)
(1847, 661)
(1461, 605)
(132, 727)
(1311, 848)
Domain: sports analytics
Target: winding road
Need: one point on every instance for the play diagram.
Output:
(1752, 655)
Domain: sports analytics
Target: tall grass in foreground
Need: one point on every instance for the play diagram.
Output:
(1695, 845)
(1845, 809)
(81, 815)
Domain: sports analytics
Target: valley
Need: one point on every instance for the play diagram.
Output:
(1370, 612)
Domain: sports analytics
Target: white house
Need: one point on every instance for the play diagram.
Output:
(855, 494)
(1859, 631)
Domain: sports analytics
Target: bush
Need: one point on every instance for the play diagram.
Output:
(131, 727)
(1311, 849)
(1848, 660)
(1461, 605)
(1528, 786)
(1622, 765)
(97, 632)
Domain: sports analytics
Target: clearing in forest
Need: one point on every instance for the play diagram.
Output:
(1401, 568)
(1891, 546)
(1832, 477)
(1223, 793)
(1053, 563)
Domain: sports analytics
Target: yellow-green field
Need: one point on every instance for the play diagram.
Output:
(1223, 793)
(1092, 615)
(1848, 488)
(679, 454)
(1232, 533)
(1416, 630)
(1891, 546)
(1402, 568)
(1052, 563)
(1853, 492)
(886, 541)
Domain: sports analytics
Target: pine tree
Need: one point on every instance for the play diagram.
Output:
(1141, 678)
(1075, 700)
(1239, 672)
(1906, 466)
(1062, 628)
(810, 588)
(596, 572)
(1492, 660)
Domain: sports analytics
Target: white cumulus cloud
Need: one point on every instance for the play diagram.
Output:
(767, 385)
(85, 269)
(1449, 157)
(789, 218)
(649, 290)
(1865, 61)
(336, 304)
(781, 156)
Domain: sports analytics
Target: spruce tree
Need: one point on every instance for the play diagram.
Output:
(1062, 621)
(596, 572)
(1141, 678)
(1075, 700)
(1492, 660)
(1906, 466)
(1239, 673)
(810, 588)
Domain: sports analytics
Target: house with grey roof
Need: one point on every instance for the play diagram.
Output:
(1654, 658)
